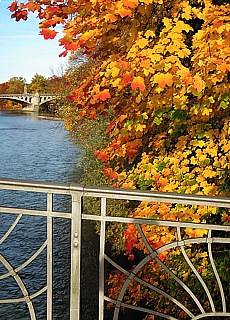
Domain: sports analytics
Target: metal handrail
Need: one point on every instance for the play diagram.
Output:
(77, 193)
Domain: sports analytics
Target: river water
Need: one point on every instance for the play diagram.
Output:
(35, 148)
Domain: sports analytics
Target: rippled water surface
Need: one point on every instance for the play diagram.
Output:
(35, 148)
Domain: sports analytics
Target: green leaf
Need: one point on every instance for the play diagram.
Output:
(130, 122)
(224, 96)
(157, 121)
(205, 162)
(179, 115)
(191, 182)
(223, 105)
(200, 134)
(160, 166)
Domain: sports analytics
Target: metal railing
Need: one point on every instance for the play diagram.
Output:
(76, 215)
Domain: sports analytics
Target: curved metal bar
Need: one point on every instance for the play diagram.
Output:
(150, 286)
(33, 257)
(154, 254)
(195, 271)
(23, 299)
(38, 293)
(21, 286)
(215, 271)
(117, 266)
(210, 314)
(26, 263)
(11, 228)
(181, 283)
(145, 310)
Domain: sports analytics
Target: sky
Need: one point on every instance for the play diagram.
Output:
(23, 52)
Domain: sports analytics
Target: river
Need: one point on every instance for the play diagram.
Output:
(37, 148)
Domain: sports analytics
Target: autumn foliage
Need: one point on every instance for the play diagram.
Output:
(163, 67)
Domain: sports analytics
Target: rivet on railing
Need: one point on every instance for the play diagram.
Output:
(76, 244)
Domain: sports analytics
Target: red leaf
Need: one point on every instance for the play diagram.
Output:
(127, 78)
(72, 98)
(13, 7)
(18, 15)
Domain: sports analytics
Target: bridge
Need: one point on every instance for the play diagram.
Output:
(30, 102)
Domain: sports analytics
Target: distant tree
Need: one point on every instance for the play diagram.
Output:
(3, 89)
(57, 84)
(16, 85)
(39, 83)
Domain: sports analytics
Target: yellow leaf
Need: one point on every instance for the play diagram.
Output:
(200, 232)
(116, 83)
(115, 71)
(208, 173)
(226, 147)
(167, 22)
(149, 33)
(206, 111)
(141, 43)
(140, 127)
(207, 190)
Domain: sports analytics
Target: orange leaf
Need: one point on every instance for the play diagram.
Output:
(131, 3)
(163, 79)
(103, 95)
(48, 34)
(138, 83)
(198, 83)
(110, 17)
(124, 12)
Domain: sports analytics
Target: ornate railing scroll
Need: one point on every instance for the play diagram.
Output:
(199, 305)
(13, 270)
(184, 302)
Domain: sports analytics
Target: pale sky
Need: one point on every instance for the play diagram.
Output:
(23, 53)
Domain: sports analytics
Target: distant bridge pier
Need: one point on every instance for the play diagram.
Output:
(34, 104)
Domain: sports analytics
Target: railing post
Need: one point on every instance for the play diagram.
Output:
(75, 281)
(49, 257)
(102, 260)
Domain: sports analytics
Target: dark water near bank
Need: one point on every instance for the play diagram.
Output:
(35, 148)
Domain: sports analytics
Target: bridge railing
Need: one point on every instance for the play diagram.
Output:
(104, 207)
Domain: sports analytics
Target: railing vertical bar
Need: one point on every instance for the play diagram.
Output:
(75, 280)
(49, 257)
(101, 260)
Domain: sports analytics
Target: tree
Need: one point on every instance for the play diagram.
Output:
(16, 85)
(163, 67)
(38, 84)
(3, 90)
